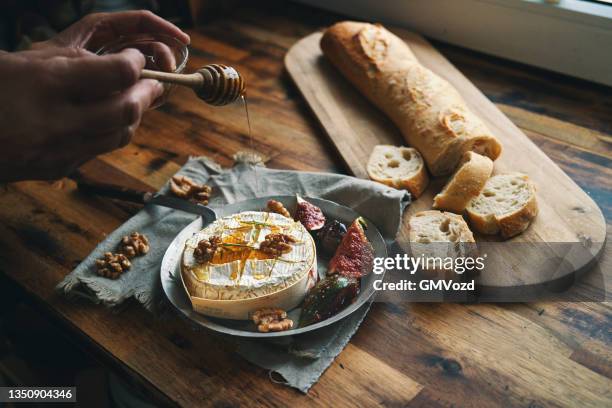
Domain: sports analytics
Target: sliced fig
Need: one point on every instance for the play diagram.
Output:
(309, 215)
(354, 257)
(328, 297)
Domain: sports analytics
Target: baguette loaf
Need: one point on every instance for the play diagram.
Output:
(398, 167)
(468, 181)
(507, 205)
(429, 112)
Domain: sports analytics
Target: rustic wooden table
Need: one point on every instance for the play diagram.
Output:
(539, 354)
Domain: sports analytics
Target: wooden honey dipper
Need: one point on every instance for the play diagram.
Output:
(215, 84)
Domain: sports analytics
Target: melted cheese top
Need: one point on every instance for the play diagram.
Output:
(239, 270)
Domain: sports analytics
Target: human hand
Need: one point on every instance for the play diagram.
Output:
(60, 107)
(97, 29)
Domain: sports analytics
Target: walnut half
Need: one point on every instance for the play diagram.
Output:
(184, 187)
(277, 244)
(278, 207)
(206, 249)
(135, 244)
(271, 319)
(275, 326)
(112, 265)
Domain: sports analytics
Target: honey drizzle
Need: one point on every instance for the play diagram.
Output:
(247, 253)
(251, 143)
(256, 232)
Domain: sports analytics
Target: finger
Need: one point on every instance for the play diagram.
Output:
(113, 25)
(54, 52)
(90, 141)
(96, 76)
(158, 56)
(117, 111)
(114, 120)
(144, 21)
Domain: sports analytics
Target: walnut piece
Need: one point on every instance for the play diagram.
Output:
(184, 187)
(206, 249)
(268, 314)
(181, 186)
(271, 319)
(112, 265)
(135, 244)
(278, 207)
(277, 244)
(275, 326)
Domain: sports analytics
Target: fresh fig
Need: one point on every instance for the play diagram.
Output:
(328, 297)
(354, 257)
(330, 236)
(309, 215)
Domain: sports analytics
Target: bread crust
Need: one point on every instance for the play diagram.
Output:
(518, 221)
(415, 183)
(468, 181)
(429, 112)
(507, 225)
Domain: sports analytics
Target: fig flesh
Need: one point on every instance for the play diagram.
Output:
(354, 257)
(309, 215)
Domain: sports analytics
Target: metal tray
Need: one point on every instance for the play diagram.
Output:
(175, 292)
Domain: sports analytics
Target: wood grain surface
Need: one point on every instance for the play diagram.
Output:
(566, 213)
(545, 354)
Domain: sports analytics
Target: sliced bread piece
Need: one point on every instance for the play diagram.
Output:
(468, 181)
(437, 236)
(438, 226)
(507, 205)
(399, 167)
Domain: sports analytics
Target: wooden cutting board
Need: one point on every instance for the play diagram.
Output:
(565, 238)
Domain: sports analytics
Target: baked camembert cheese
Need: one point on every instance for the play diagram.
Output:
(245, 257)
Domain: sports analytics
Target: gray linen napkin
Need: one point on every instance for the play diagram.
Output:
(300, 360)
